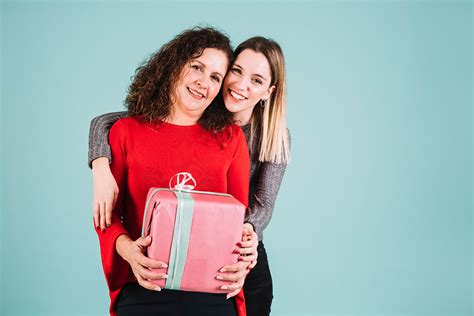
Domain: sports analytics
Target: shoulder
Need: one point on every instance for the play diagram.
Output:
(240, 142)
(236, 130)
(232, 139)
(238, 135)
(123, 128)
(126, 123)
(229, 136)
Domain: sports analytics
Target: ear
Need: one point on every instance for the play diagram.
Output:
(268, 93)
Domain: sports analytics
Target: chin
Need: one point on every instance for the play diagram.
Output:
(195, 106)
(232, 108)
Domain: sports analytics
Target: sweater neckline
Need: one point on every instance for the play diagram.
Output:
(192, 127)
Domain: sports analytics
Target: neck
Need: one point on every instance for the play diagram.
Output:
(185, 121)
(243, 117)
(180, 118)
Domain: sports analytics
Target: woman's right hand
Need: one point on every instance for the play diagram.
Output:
(133, 252)
(105, 193)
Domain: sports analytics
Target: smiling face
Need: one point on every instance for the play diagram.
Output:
(199, 84)
(247, 82)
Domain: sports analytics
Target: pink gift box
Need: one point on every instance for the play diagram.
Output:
(195, 233)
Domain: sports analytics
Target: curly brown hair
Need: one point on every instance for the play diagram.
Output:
(151, 92)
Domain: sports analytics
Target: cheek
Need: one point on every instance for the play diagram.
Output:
(189, 77)
(185, 75)
(257, 93)
(229, 79)
(214, 91)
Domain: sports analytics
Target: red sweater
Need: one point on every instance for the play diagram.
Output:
(145, 156)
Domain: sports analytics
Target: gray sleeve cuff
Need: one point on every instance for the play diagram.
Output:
(99, 135)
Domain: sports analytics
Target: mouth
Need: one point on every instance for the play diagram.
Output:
(236, 96)
(196, 94)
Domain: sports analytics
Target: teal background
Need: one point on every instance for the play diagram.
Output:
(374, 216)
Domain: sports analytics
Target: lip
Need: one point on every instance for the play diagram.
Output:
(232, 93)
(196, 94)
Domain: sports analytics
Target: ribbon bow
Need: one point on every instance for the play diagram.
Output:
(182, 182)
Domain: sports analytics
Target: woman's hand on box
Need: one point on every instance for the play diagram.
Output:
(133, 252)
(105, 192)
(234, 274)
(247, 247)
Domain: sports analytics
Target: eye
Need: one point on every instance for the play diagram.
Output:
(216, 78)
(236, 70)
(257, 81)
(197, 67)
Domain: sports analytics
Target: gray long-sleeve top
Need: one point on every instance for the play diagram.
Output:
(265, 177)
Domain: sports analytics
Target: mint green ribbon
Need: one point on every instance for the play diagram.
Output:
(180, 244)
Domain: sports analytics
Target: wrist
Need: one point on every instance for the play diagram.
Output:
(249, 223)
(100, 162)
(249, 229)
(122, 245)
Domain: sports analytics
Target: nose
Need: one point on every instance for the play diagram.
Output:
(242, 83)
(202, 81)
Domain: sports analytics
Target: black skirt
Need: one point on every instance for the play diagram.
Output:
(136, 300)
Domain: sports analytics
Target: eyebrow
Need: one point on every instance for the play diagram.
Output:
(257, 75)
(204, 65)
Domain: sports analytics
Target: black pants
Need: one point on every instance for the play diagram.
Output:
(135, 300)
(258, 287)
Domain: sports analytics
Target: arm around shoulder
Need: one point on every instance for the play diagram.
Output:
(99, 135)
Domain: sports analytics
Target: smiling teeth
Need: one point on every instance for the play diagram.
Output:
(196, 93)
(236, 95)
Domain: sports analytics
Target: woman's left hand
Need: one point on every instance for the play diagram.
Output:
(235, 274)
(247, 247)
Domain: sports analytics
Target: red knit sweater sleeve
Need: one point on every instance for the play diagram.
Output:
(239, 169)
(115, 268)
(238, 185)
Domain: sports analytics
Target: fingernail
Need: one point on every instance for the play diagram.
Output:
(165, 276)
(227, 296)
(223, 270)
(219, 277)
(108, 225)
(158, 289)
(224, 287)
(97, 227)
(164, 265)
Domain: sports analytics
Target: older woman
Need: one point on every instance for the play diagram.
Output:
(173, 125)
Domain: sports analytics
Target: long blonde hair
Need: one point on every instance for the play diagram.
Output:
(269, 121)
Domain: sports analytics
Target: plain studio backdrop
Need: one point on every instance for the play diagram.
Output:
(374, 215)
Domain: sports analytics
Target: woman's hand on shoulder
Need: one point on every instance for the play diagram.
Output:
(105, 192)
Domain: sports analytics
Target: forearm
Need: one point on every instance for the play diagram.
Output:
(262, 202)
(99, 135)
